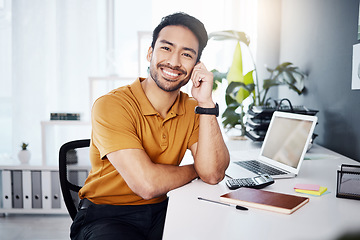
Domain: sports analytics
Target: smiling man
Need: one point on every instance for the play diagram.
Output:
(140, 134)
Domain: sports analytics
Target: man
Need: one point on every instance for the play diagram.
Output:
(140, 135)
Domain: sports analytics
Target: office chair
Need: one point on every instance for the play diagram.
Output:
(67, 155)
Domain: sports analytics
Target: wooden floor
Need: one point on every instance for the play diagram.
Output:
(34, 227)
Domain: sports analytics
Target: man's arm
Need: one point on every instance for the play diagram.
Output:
(211, 156)
(148, 179)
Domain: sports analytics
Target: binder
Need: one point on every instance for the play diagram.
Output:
(55, 190)
(26, 183)
(16, 177)
(36, 196)
(6, 189)
(46, 189)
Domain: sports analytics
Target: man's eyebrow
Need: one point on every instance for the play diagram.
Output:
(172, 44)
(190, 49)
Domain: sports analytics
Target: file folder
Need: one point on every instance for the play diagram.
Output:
(6, 189)
(46, 189)
(16, 178)
(26, 183)
(36, 196)
(55, 190)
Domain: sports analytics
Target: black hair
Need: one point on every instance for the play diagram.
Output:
(190, 22)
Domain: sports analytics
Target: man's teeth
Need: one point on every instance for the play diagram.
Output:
(171, 74)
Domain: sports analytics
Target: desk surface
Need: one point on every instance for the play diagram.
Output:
(325, 217)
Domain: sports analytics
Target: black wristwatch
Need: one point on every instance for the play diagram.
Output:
(208, 111)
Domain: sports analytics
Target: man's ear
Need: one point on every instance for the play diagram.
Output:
(149, 54)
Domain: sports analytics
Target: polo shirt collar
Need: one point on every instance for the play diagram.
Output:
(147, 109)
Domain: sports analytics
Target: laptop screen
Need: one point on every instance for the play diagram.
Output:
(286, 139)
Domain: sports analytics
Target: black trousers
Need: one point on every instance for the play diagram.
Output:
(119, 222)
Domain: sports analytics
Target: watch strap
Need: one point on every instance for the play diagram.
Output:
(208, 111)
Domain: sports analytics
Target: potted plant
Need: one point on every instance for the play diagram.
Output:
(24, 155)
(242, 86)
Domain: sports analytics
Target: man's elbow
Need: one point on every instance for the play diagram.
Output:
(212, 178)
(146, 192)
(212, 175)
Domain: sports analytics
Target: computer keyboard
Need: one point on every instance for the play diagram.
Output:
(259, 168)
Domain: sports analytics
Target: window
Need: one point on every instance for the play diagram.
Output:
(49, 49)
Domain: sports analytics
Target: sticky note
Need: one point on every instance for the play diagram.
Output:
(310, 187)
(316, 193)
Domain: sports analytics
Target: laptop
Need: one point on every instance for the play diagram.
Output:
(282, 152)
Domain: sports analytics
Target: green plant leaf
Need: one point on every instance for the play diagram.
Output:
(230, 100)
(247, 88)
(231, 118)
(230, 34)
(234, 87)
(285, 74)
(218, 77)
(293, 87)
(283, 66)
(268, 83)
(235, 73)
(269, 69)
(242, 90)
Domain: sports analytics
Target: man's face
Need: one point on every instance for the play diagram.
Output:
(173, 57)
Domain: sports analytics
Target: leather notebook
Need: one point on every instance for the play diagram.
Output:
(272, 201)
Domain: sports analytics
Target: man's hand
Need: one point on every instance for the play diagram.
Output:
(202, 86)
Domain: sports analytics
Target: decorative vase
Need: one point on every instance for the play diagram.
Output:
(24, 156)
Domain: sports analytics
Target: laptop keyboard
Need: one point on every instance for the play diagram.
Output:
(259, 168)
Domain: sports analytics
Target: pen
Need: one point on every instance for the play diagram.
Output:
(238, 207)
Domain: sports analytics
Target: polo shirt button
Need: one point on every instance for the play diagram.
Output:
(164, 136)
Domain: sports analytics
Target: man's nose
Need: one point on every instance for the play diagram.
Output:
(174, 60)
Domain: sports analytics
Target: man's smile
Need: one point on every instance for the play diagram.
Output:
(170, 73)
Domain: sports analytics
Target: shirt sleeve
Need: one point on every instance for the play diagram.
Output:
(113, 128)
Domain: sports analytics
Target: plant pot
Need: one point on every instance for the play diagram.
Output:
(24, 156)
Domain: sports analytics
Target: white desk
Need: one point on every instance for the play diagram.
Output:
(325, 217)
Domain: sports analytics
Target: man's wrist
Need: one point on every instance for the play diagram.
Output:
(208, 111)
(209, 104)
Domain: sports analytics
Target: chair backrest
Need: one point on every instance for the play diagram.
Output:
(67, 155)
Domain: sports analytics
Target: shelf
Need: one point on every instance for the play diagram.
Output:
(64, 122)
(35, 189)
(33, 211)
(55, 133)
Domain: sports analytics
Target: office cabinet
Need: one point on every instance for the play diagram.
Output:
(35, 189)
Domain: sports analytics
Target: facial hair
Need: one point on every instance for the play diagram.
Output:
(162, 85)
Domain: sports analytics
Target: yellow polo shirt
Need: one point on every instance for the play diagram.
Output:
(124, 119)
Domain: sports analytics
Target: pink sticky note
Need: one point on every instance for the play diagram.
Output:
(312, 187)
